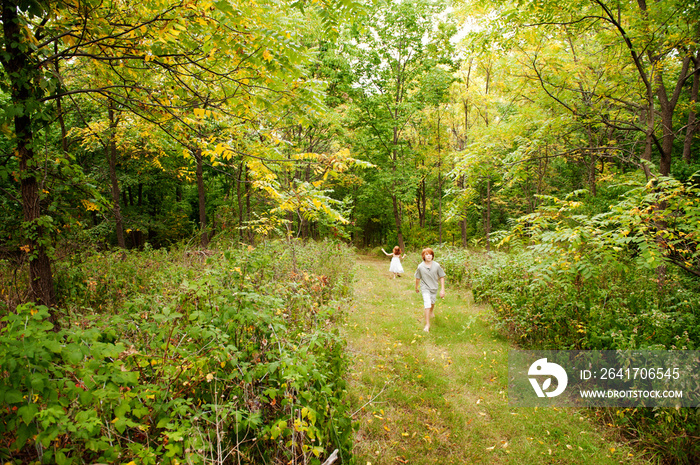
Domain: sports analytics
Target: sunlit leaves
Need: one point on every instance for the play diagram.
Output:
(635, 227)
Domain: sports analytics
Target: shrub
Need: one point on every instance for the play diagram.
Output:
(592, 282)
(229, 353)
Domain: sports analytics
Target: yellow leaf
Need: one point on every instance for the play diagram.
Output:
(90, 206)
(267, 55)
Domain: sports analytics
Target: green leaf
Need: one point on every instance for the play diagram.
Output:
(53, 345)
(37, 382)
(27, 412)
(72, 354)
(13, 396)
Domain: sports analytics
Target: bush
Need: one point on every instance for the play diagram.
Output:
(556, 308)
(553, 307)
(592, 282)
(231, 352)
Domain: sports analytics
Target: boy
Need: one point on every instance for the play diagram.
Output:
(428, 274)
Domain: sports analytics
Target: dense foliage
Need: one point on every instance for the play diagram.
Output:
(167, 357)
(604, 281)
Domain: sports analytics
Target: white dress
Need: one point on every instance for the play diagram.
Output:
(395, 266)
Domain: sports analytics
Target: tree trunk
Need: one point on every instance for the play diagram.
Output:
(486, 93)
(488, 214)
(463, 221)
(239, 200)
(420, 213)
(59, 104)
(424, 202)
(114, 182)
(248, 194)
(439, 148)
(668, 106)
(397, 219)
(21, 74)
(648, 140)
(592, 161)
(202, 198)
(692, 127)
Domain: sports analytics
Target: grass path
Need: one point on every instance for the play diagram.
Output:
(441, 398)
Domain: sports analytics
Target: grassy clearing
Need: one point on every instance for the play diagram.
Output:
(442, 397)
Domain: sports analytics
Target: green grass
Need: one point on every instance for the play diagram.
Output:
(442, 397)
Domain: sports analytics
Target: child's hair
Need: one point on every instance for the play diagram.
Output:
(397, 250)
(427, 251)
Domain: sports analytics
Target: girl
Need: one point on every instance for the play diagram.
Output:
(396, 258)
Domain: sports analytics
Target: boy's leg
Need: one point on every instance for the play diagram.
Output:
(426, 328)
(433, 300)
(426, 309)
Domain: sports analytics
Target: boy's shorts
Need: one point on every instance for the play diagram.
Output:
(429, 297)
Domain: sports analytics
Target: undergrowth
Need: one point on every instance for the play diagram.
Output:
(555, 302)
(221, 356)
(621, 278)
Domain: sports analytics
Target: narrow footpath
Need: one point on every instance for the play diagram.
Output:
(441, 397)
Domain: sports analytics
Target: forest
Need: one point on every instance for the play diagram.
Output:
(186, 185)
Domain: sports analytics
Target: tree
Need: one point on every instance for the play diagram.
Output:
(398, 45)
(650, 56)
(435, 94)
(158, 60)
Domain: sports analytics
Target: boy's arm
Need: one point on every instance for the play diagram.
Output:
(442, 287)
(417, 285)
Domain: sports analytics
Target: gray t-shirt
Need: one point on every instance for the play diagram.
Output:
(429, 277)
